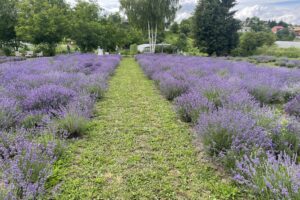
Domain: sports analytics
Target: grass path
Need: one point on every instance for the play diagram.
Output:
(136, 149)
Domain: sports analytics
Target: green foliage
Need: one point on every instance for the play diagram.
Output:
(133, 49)
(285, 35)
(215, 28)
(158, 13)
(85, 16)
(182, 42)
(291, 52)
(256, 24)
(8, 20)
(32, 121)
(72, 124)
(47, 49)
(42, 21)
(174, 27)
(250, 41)
(186, 26)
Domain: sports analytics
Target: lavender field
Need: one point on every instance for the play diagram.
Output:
(247, 117)
(42, 102)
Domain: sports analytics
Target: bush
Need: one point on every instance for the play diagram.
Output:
(276, 177)
(133, 49)
(10, 114)
(190, 105)
(250, 41)
(171, 88)
(47, 49)
(48, 98)
(8, 51)
(25, 166)
(32, 121)
(287, 138)
(71, 123)
(293, 107)
(233, 133)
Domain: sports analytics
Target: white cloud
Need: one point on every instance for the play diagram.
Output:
(266, 9)
(269, 13)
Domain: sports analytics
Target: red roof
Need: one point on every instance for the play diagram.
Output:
(275, 29)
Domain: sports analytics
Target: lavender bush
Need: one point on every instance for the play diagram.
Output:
(25, 165)
(293, 107)
(231, 132)
(276, 177)
(42, 100)
(231, 104)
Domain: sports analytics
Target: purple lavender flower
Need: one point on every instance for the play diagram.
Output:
(191, 105)
(293, 107)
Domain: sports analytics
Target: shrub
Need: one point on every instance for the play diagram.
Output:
(190, 105)
(25, 166)
(276, 177)
(32, 121)
(133, 49)
(71, 123)
(287, 138)
(10, 114)
(48, 98)
(172, 87)
(293, 107)
(231, 132)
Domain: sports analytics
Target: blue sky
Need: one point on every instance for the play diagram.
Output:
(287, 10)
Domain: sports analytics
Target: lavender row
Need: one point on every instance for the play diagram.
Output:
(4, 59)
(43, 101)
(229, 105)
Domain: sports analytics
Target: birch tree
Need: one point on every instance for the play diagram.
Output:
(150, 15)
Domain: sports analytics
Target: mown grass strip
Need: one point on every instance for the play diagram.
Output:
(137, 149)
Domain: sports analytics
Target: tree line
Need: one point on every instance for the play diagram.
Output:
(48, 22)
(213, 28)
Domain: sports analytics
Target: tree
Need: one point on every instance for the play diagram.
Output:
(182, 42)
(174, 27)
(285, 35)
(43, 22)
(250, 41)
(215, 29)
(86, 28)
(186, 26)
(8, 21)
(151, 15)
(256, 24)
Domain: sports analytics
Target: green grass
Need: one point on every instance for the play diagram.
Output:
(137, 148)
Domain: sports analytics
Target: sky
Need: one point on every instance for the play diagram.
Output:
(286, 10)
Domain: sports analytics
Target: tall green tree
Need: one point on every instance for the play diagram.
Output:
(43, 22)
(151, 15)
(182, 42)
(215, 28)
(257, 25)
(86, 28)
(174, 27)
(285, 35)
(8, 20)
(186, 26)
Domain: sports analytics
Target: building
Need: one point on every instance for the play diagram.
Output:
(275, 29)
(297, 31)
(245, 29)
(145, 48)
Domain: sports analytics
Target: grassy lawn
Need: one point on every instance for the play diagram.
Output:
(137, 149)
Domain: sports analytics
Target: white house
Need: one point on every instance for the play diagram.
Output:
(145, 48)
